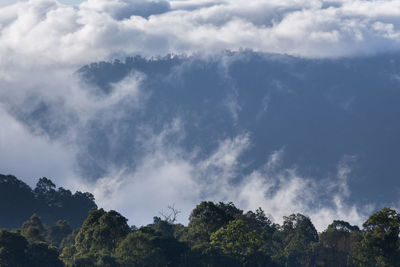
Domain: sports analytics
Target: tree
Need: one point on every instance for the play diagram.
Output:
(149, 247)
(58, 232)
(343, 226)
(79, 205)
(206, 255)
(83, 261)
(298, 235)
(259, 222)
(238, 241)
(164, 227)
(40, 254)
(380, 245)
(17, 201)
(33, 230)
(172, 215)
(336, 243)
(137, 249)
(98, 237)
(12, 249)
(207, 218)
(101, 232)
(44, 186)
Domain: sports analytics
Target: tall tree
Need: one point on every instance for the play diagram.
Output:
(298, 235)
(34, 230)
(238, 241)
(99, 235)
(381, 245)
(336, 244)
(207, 218)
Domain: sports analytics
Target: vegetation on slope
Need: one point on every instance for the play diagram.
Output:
(18, 202)
(218, 234)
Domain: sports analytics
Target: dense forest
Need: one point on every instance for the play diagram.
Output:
(218, 234)
(18, 202)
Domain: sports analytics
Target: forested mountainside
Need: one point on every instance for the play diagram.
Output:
(18, 202)
(321, 113)
(218, 234)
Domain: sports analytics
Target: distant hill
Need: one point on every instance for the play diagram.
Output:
(319, 111)
(18, 202)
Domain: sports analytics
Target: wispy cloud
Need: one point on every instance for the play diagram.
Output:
(30, 156)
(43, 42)
(169, 176)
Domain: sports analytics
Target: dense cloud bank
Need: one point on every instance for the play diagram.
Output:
(53, 33)
(291, 134)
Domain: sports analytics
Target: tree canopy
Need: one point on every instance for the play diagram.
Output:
(18, 202)
(218, 234)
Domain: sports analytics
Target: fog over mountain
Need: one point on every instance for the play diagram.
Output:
(287, 105)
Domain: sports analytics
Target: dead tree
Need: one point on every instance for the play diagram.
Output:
(171, 215)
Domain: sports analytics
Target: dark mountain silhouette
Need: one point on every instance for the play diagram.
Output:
(18, 202)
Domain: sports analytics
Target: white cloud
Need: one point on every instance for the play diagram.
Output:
(168, 175)
(165, 176)
(42, 42)
(281, 192)
(123, 9)
(41, 33)
(29, 157)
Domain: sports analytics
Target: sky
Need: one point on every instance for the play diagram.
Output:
(44, 42)
(68, 2)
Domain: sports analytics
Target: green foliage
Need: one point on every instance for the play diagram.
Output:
(165, 228)
(83, 261)
(150, 247)
(98, 237)
(15, 252)
(380, 245)
(217, 235)
(68, 255)
(296, 241)
(45, 188)
(138, 249)
(207, 218)
(18, 202)
(12, 249)
(259, 222)
(62, 204)
(343, 226)
(205, 255)
(40, 254)
(33, 230)
(69, 240)
(180, 231)
(238, 241)
(101, 232)
(337, 243)
(58, 232)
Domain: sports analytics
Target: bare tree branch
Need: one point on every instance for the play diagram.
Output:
(171, 215)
